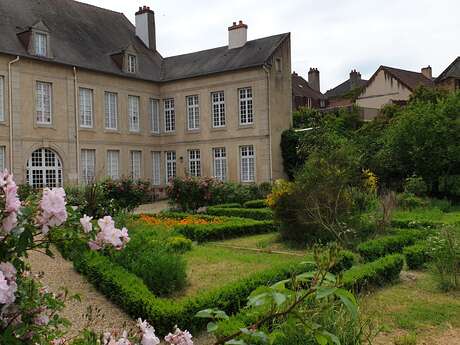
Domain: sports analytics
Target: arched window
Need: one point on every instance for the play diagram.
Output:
(44, 169)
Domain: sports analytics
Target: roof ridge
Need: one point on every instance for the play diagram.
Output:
(94, 6)
(403, 70)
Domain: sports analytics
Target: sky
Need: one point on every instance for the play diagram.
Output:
(334, 36)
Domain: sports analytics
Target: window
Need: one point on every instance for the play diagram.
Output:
(86, 108)
(246, 114)
(132, 63)
(193, 112)
(2, 158)
(113, 164)
(43, 102)
(136, 157)
(88, 165)
(44, 169)
(170, 165)
(247, 161)
(133, 113)
(156, 168)
(278, 65)
(41, 44)
(111, 110)
(2, 98)
(194, 163)
(220, 163)
(155, 115)
(218, 109)
(457, 84)
(170, 115)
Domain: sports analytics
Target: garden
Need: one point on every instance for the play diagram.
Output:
(360, 246)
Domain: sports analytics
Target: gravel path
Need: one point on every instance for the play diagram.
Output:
(59, 273)
(155, 207)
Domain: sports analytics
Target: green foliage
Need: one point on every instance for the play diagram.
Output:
(230, 227)
(415, 185)
(290, 141)
(253, 213)
(25, 190)
(417, 255)
(450, 185)
(408, 339)
(374, 249)
(179, 244)
(410, 201)
(261, 203)
(306, 118)
(230, 205)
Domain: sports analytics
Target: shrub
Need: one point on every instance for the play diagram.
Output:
(410, 201)
(374, 249)
(179, 244)
(292, 161)
(376, 273)
(261, 203)
(416, 255)
(450, 185)
(127, 193)
(253, 213)
(230, 205)
(415, 185)
(25, 190)
(443, 204)
(231, 227)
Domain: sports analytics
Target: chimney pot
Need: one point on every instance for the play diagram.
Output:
(237, 35)
(427, 72)
(313, 79)
(145, 26)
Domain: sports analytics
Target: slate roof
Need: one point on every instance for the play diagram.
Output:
(452, 71)
(343, 88)
(86, 36)
(300, 87)
(410, 79)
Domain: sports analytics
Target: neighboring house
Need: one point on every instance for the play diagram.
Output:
(344, 94)
(307, 94)
(84, 94)
(391, 85)
(449, 79)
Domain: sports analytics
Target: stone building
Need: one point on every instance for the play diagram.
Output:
(84, 94)
(307, 93)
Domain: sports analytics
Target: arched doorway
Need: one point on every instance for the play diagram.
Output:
(44, 169)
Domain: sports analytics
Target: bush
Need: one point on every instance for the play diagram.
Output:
(443, 204)
(126, 193)
(25, 190)
(253, 213)
(416, 255)
(374, 249)
(415, 185)
(231, 205)
(376, 273)
(292, 161)
(410, 201)
(179, 244)
(262, 203)
(450, 185)
(231, 227)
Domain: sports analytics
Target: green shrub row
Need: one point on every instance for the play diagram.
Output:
(416, 255)
(231, 227)
(253, 213)
(230, 205)
(377, 248)
(414, 224)
(261, 203)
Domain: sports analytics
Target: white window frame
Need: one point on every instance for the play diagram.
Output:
(246, 106)
(155, 115)
(135, 157)
(2, 98)
(218, 109)
(247, 163)
(2, 158)
(194, 162)
(113, 164)
(41, 44)
(193, 112)
(44, 103)
(111, 110)
(134, 104)
(156, 168)
(170, 165)
(44, 170)
(132, 63)
(219, 163)
(86, 107)
(88, 165)
(169, 115)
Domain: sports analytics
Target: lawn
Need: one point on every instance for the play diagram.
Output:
(428, 214)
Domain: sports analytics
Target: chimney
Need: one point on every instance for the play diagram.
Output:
(145, 26)
(355, 78)
(427, 72)
(237, 35)
(313, 79)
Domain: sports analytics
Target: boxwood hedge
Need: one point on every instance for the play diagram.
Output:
(261, 203)
(253, 213)
(417, 255)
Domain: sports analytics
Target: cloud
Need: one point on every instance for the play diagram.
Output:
(332, 35)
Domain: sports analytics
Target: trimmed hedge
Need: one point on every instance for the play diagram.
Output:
(414, 224)
(231, 227)
(230, 205)
(253, 213)
(416, 255)
(374, 249)
(262, 203)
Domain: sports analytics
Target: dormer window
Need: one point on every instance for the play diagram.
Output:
(132, 63)
(41, 44)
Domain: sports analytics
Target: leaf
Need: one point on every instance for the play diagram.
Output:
(332, 337)
(349, 300)
(281, 285)
(323, 292)
(212, 327)
(321, 339)
(306, 276)
(205, 314)
(279, 298)
(236, 342)
(258, 300)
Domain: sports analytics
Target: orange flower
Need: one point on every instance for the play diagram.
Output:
(171, 222)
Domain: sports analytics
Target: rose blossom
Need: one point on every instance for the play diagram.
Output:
(109, 235)
(86, 224)
(52, 209)
(8, 286)
(179, 338)
(12, 202)
(148, 333)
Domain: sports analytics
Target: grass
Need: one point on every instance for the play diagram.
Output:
(428, 214)
(415, 305)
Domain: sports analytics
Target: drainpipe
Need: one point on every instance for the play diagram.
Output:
(77, 134)
(10, 109)
(267, 70)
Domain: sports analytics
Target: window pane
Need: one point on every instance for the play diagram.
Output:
(88, 166)
(155, 115)
(133, 113)
(113, 157)
(220, 163)
(156, 161)
(43, 103)
(193, 112)
(170, 115)
(246, 111)
(86, 107)
(194, 163)
(218, 109)
(170, 165)
(2, 98)
(247, 163)
(44, 169)
(111, 110)
(136, 164)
